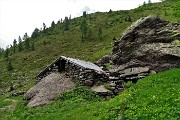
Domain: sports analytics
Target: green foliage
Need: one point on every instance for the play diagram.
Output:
(6, 53)
(176, 42)
(83, 28)
(99, 33)
(66, 24)
(82, 93)
(14, 45)
(9, 66)
(155, 97)
(27, 43)
(35, 33)
(107, 65)
(44, 26)
(106, 85)
(129, 84)
(53, 25)
(3, 102)
(20, 47)
(84, 14)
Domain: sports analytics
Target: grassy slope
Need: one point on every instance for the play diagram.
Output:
(28, 64)
(155, 97)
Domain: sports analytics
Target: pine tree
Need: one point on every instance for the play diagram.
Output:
(26, 39)
(144, 3)
(110, 11)
(66, 24)
(20, 44)
(35, 33)
(53, 24)
(84, 14)
(14, 45)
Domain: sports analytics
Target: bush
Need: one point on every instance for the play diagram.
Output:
(9, 66)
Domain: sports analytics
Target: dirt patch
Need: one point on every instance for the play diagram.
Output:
(48, 89)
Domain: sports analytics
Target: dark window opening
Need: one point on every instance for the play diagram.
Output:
(62, 65)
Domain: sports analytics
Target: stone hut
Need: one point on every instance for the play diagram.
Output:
(86, 73)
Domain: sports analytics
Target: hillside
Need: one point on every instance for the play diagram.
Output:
(54, 42)
(159, 93)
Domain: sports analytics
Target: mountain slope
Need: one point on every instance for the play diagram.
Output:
(50, 45)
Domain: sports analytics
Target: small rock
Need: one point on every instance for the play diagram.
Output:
(88, 83)
(151, 72)
(112, 84)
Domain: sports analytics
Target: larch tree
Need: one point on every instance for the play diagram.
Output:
(20, 47)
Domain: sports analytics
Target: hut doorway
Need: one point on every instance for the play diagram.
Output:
(62, 65)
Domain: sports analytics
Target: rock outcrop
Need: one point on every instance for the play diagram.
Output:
(145, 47)
(48, 89)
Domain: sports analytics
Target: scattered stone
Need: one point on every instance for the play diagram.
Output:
(88, 83)
(103, 60)
(112, 84)
(18, 93)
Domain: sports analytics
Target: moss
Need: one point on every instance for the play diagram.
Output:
(176, 42)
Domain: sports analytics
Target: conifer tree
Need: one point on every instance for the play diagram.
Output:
(66, 24)
(14, 45)
(84, 14)
(20, 47)
(26, 39)
(53, 24)
(35, 33)
(44, 26)
(83, 28)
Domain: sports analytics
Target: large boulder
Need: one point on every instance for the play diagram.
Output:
(148, 44)
(48, 89)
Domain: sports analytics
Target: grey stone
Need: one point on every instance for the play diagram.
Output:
(152, 72)
(88, 83)
(112, 84)
(147, 43)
